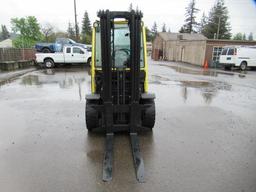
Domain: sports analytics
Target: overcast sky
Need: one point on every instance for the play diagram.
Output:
(59, 12)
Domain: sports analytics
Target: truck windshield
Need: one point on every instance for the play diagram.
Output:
(120, 47)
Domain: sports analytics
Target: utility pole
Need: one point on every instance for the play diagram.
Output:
(76, 26)
(218, 31)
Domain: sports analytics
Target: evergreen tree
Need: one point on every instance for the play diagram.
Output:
(244, 37)
(218, 24)
(154, 29)
(4, 33)
(164, 28)
(202, 23)
(86, 29)
(71, 31)
(238, 36)
(250, 37)
(130, 7)
(182, 30)
(190, 21)
(149, 35)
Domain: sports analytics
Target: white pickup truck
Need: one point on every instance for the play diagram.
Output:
(70, 55)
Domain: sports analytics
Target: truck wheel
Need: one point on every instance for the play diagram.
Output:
(148, 117)
(48, 63)
(91, 115)
(46, 50)
(89, 62)
(243, 66)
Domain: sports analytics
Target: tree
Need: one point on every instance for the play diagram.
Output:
(169, 30)
(238, 36)
(149, 35)
(244, 37)
(86, 29)
(250, 37)
(154, 30)
(47, 31)
(164, 28)
(130, 7)
(203, 23)
(190, 21)
(4, 33)
(218, 25)
(29, 31)
(71, 31)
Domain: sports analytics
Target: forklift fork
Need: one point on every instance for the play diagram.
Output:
(108, 158)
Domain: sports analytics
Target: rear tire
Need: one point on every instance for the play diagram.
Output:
(148, 116)
(243, 66)
(91, 115)
(46, 50)
(89, 62)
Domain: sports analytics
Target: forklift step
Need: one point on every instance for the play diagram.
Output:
(108, 158)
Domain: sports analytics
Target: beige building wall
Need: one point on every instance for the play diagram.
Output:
(186, 51)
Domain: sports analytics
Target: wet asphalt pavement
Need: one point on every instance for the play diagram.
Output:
(204, 137)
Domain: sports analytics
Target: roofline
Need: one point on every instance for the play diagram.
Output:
(230, 40)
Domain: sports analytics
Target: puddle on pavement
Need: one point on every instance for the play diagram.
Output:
(48, 82)
(55, 76)
(199, 71)
(156, 79)
(208, 90)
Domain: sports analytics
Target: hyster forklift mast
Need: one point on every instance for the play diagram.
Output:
(119, 99)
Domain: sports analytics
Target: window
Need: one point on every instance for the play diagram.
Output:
(77, 50)
(121, 46)
(68, 50)
(231, 51)
(216, 54)
(224, 52)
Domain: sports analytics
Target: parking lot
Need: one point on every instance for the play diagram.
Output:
(204, 138)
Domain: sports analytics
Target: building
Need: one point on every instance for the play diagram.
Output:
(190, 48)
(7, 43)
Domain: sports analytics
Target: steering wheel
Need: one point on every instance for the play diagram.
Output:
(122, 58)
(127, 51)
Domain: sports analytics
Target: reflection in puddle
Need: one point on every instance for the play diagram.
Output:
(156, 79)
(208, 89)
(185, 70)
(64, 78)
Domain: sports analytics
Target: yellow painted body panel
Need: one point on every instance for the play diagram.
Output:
(93, 85)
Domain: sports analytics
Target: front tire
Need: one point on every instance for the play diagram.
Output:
(148, 116)
(243, 66)
(91, 115)
(49, 63)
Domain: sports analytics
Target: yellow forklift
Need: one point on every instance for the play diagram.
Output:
(119, 99)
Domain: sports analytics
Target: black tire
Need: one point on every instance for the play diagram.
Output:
(89, 62)
(148, 116)
(91, 115)
(46, 50)
(243, 66)
(49, 63)
(227, 68)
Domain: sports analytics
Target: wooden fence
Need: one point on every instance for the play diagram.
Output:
(14, 54)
